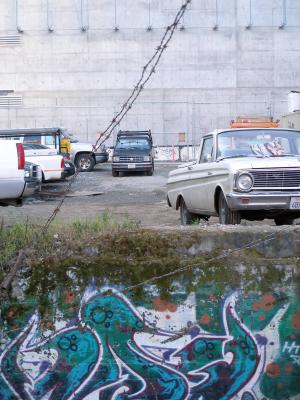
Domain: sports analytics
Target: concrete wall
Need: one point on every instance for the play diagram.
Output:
(291, 121)
(209, 347)
(227, 329)
(207, 77)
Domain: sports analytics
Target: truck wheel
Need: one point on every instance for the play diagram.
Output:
(150, 172)
(284, 220)
(115, 173)
(186, 217)
(85, 162)
(226, 216)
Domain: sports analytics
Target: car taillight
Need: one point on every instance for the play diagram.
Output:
(21, 156)
(62, 164)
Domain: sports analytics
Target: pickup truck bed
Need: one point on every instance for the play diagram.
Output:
(12, 175)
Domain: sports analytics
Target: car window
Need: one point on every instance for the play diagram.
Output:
(262, 142)
(133, 143)
(28, 146)
(207, 150)
(50, 140)
(32, 139)
(39, 147)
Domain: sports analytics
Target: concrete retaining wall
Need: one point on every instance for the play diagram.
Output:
(227, 330)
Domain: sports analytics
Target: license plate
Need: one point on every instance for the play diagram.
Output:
(131, 166)
(295, 203)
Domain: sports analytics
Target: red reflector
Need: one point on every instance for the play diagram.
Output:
(245, 200)
(21, 156)
(62, 164)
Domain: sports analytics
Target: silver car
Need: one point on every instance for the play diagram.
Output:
(248, 174)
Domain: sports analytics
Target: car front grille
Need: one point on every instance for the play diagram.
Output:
(131, 159)
(289, 178)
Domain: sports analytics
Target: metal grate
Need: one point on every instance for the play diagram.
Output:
(289, 178)
(10, 40)
(132, 159)
(11, 101)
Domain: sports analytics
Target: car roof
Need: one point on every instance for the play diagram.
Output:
(217, 131)
(30, 132)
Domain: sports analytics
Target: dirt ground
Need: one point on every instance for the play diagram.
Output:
(133, 196)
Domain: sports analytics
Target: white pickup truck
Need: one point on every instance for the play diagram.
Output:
(12, 173)
(83, 155)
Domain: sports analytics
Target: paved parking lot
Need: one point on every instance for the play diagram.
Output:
(134, 196)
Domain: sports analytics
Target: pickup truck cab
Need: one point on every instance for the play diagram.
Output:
(12, 172)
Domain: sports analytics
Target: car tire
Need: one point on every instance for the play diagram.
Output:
(283, 220)
(186, 217)
(115, 173)
(226, 215)
(85, 162)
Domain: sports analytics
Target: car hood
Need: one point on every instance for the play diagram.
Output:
(81, 146)
(261, 162)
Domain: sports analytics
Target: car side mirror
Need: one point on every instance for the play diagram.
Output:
(207, 158)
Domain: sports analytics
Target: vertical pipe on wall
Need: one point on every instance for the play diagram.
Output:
(116, 19)
(19, 29)
(49, 25)
(284, 19)
(216, 26)
(250, 15)
(149, 28)
(83, 25)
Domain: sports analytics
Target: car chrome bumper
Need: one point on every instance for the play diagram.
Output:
(141, 166)
(31, 187)
(260, 200)
(101, 157)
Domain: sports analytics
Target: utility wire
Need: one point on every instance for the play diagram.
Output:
(224, 254)
(147, 71)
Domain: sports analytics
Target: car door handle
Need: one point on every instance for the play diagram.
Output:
(209, 173)
(190, 168)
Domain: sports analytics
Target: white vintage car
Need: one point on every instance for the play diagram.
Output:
(241, 173)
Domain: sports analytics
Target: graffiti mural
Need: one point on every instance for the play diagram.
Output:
(116, 350)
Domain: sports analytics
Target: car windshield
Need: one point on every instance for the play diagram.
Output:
(258, 143)
(133, 143)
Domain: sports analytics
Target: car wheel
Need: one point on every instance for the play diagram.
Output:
(283, 220)
(85, 162)
(227, 216)
(115, 173)
(186, 217)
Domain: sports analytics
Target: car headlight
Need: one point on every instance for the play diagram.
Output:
(244, 182)
(116, 158)
(27, 174)
(147, 158)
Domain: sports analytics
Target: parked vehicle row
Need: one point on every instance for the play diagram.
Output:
(82, 154)
(24, 166)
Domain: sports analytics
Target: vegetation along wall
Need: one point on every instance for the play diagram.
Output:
(161, 317)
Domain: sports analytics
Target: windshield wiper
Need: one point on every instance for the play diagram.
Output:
(283, 155)
(236, 156)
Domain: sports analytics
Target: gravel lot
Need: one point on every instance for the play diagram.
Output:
(134, 196)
